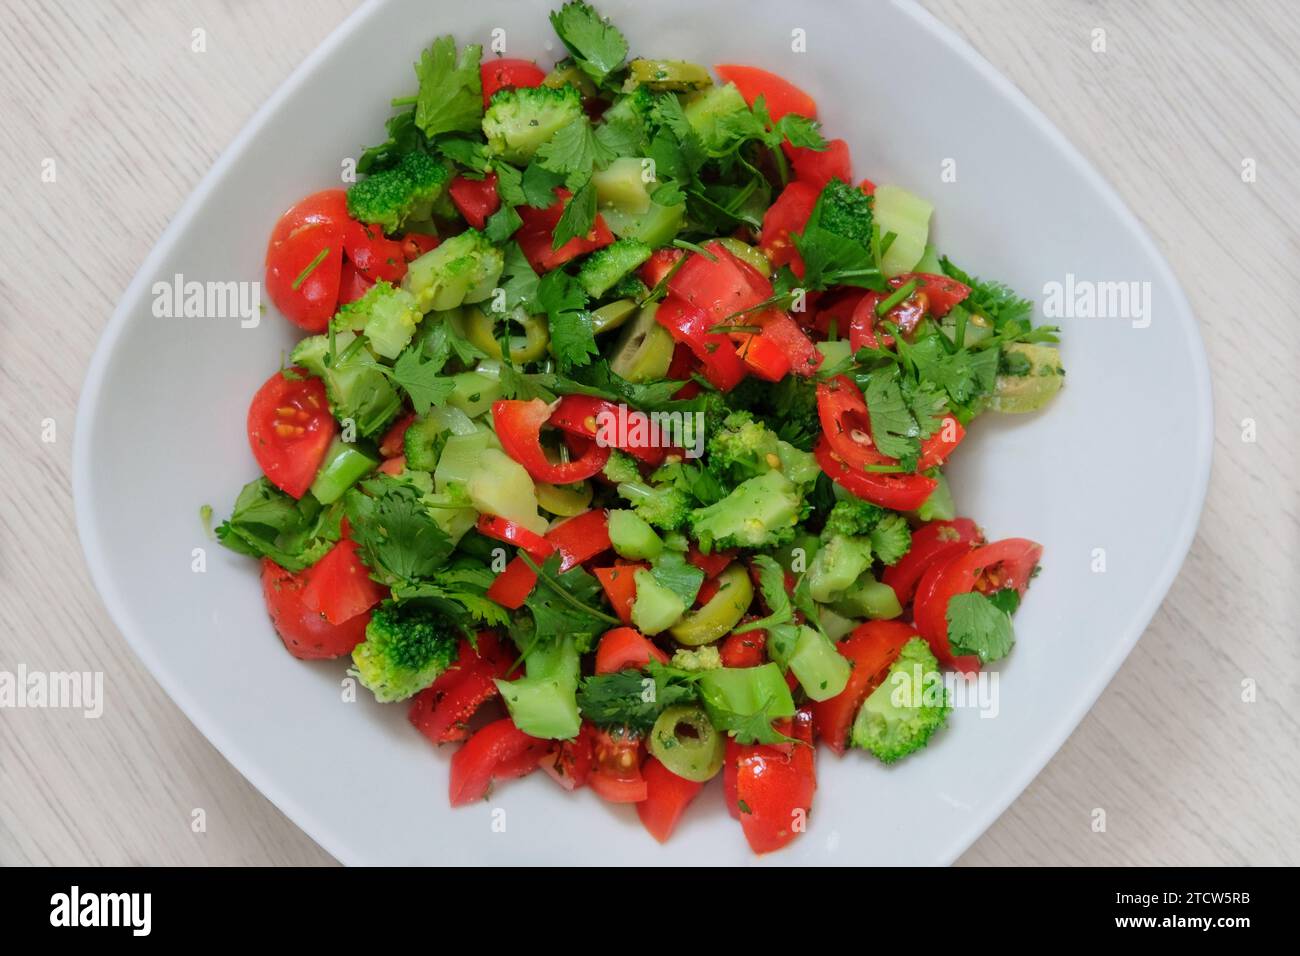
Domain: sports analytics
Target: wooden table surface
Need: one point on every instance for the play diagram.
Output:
(1186, 95)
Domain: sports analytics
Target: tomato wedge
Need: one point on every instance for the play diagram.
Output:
(690, 326)
(660, 263)
(535, 236)
(339, 586)
(941, 293)
(1008, 563)
(476, 199)
(290, 429)
(773, 786)
(744, 650)
(817, 167)
(578, 539)
(931, 542)
(625, 647)
(780, 95)
(305, 633)
(507, 73)
(304, 259)
(519, 426)
(788, 215)
(498, 751)
(442, 711)
(717, 286)
(895, 491)
(667, 797)
(352, 284)
(375, 256)
(584, 415)
(616, 773)
(570, 761)
(871, 648)
(619, 584)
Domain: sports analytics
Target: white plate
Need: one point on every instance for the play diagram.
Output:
(1119, 462)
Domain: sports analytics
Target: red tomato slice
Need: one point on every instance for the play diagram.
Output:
(625, 647)
(667, 797)
(895, 491)
(616, 774)
(690, 326)
(773, 787)
(834, 315)
(416, 244)
(537, 232)
(619, 584)
(304, 259)
(871, 648)
(583, 415)
(660, 263)
(502, 529)
(780, 95)
(789, 214)
(305, 633)
(496, 752)
(941, 293)
(817, 167)
(352, 284)
(339, 585)
(519, 426)
(394, 440)
(507, 73)
(290, 429)
(476, 199)
(719, 286)
(375, 256)
(570, 761)
(442, 711)
(744, 650)
(933, 541)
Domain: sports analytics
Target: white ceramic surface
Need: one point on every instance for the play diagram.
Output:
(1119, 462)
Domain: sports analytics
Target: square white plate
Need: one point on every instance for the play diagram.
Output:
(1119, 462)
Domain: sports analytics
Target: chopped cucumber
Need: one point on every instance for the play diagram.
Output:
(622, 185)
(632, 537)
(656, 607)
(474, 392)
(704, 109)
(908, 218)
(939, 506)
(656, 227)
(868, 598)
(340, 469)
(745, 691)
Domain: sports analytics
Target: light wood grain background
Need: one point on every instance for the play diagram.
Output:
(1187, 772)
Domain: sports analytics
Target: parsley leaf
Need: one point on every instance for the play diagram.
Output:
(562, 603)
(673, 571)
(538, 184)
(422, 381)
(572, 338)
(510, 186)
(598, 48)
(634, 698)
(399, 539)
(518, 280)
(267, 523)
(991, 299)
(459, 592)
(578, 217)
(600, 381)
(575, 149)
(771, 581)
(755, 728)
(831, 259)
(902, 412)
(501, 225)
(451, 91)
(976, 625)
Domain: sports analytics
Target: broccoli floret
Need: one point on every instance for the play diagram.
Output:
(704, 658)
(630, 287)
(846, 211)
(851, 516)
(608, 265)
(406, 648)
(891, 538)
(463, 269)
(355, 385)
(635, 108)
(520, 120)
(788, 407)
(745, 448)
(759, 513)
(664, 506)
(838, 563)
(901, 715)
(387, 314)
(621, 468)
(405, 192)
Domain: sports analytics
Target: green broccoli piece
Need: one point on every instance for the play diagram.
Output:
(355, 385)
(855, 532)
(518, 121)
(846, 211)
(406, 192)
(607, 266)
(666, 507)
(387, 314)
(634, 108)
(852, 517)
(837, 565)
(621, 468)
(704, 658)
(788, 407)
(745, 448)
(901, 715)
(759, 513)
(463, 269)
(630, 287)
(891, 538)
(406, 648)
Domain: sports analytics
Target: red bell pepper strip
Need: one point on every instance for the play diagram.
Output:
(584, 415)
(899, 492)
(579, 539)
(690, 326)
(502, 529)
(619, 584)
(442, 711)
(519, 426)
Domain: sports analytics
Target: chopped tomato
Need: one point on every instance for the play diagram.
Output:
(817, 167)
(690, 325)
(352, 284)
(773, 786)
(304, 259)
(570, 761)
(619, 584)
(305, 633)
(339, 585)
(375, 256)
(744, 650)
(616, 774)
(871, 648)
(498, 751)
(667, 796)
(290, 429)
(941, 293)
(578, 539)
(507, 73)
(535, 236)
(718, 286)
(1008, 563)
(590, 417)
(763, 357)
(443, 710)
(519, 426)
(476, 199)
(899, 492)
(502, 529)
(789, 214)
(834, 315)
(625, 647)
(779, 95)
(711, 564)
(394, 440)
(931, 542)
(392, 466)
(416, 244)
(660, 263)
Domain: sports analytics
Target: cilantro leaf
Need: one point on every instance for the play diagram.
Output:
(538, 184)
(572, 338)
(422, 381)
(502, 224)
(267, 523)
(459, 592)
(451, 90)
(578, 217)
(634, 698)
(755, 728)
(673, 571)
(771, 581)
(902, 412)
(600, 381)
(598, 48)
(991, 299)
(831, 259)
(575, 149)
(976, 625)
(510, 186)
(562, 603)
(467, 152)
(398, 537)
(518, 280)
